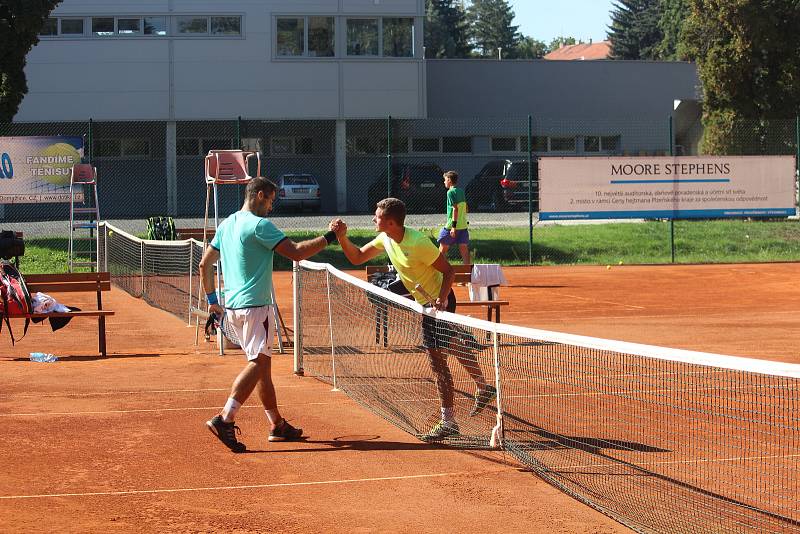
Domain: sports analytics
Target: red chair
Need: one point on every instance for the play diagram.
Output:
(230, 166)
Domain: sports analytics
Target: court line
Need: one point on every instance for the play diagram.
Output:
(678, 462)
(154, 410)
(587, 299)
(143, 391)
(256, 486)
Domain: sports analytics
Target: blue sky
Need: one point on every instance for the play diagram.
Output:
(546, 19)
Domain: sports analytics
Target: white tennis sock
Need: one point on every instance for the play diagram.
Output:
(274, 416)
(230, 409)
(448, 414)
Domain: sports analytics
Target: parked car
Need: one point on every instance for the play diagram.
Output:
(419, 185)
(297, 191)
(502, 185)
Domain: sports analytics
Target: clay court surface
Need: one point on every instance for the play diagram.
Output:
(120, 445)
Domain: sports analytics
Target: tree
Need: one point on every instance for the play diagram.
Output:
(673, 16)
(491, 28)
(634, 32)
(446, 30)
(530, 48)
(20, 24)
(748, 60)
(561, 40)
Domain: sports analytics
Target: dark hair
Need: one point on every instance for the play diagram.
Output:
(259, 184)
(394, 209)
(453, 175)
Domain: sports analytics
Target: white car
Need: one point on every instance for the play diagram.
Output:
(298, 191)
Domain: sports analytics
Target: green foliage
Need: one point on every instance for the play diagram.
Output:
(20, 24)
(748, 59)
(634, 32)
(446, 30)
(530, 48)
(561, 40)
(673, 17)
(491, 28)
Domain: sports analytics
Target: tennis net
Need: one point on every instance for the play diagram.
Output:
(663, 440)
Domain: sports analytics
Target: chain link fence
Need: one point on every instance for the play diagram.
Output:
(151, 168)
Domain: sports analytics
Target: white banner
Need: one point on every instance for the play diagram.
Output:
(666, 187)
(37, 169)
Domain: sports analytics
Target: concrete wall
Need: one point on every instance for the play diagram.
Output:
(192, 78)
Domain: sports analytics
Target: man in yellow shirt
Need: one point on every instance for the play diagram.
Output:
(426, 274)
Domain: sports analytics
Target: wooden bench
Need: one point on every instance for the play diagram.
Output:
(463, 277)
(72, 283)
(195, 233)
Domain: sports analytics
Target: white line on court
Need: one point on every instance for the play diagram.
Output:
(153, 410)
(140, 392)
(631, 306)
(256, 486)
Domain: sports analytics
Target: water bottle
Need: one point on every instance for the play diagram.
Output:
(43, 357)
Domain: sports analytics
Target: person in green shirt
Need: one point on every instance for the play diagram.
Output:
(455, 231)
(426, 275)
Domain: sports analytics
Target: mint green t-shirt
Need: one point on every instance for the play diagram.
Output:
(456, 198)
(246, 243)
(413, 259)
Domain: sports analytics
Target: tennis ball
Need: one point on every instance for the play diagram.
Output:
(110, 233)
(60, 157)
(608, 267)
(620, 262)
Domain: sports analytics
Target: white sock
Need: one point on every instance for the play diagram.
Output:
(274, 416)
(230, 409)
(448, 414)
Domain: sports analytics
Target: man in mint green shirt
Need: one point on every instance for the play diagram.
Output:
(246, 243)
(455, 230)
(427, 276)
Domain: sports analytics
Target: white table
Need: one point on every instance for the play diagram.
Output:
(486, 281)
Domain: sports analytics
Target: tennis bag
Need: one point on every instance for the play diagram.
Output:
(15, 299)
(161, 229)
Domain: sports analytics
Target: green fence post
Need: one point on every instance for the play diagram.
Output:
(239, 132)
(389, 156)
(672, 219)
(89, 142)
(530, 191)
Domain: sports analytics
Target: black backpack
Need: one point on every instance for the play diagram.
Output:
(161, 229)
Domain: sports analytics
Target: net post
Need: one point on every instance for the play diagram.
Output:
(141, 263)
(330, 328)
(297, 307)
(191, 273)
(496, 439)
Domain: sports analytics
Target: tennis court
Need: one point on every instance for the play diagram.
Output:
(119, 444)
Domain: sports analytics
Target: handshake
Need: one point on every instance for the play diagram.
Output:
(339, 227)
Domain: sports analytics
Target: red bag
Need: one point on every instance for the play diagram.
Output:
(15, 299)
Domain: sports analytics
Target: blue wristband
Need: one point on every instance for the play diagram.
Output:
(211, 298)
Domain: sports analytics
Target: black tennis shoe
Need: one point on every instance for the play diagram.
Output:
(226, 433)
(285, 432)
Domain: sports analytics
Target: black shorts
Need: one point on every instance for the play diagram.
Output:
(435, 335)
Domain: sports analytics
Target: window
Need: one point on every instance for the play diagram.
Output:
(102, 26)
(398, 37)
(252, 144)
(207, 145)
(155, 26)
(129, 26)
(290, 34)
(135, 147)
(71, 26)
(226, 25)
(457, 144)
(591, 144)
(425, 144)
(50, 27)
(504, 144)
(562, 144)
(192, 25)
(321, 36)
(107, 148)
(290, 146)
(187, 147)
(362, 37)
(609, 143)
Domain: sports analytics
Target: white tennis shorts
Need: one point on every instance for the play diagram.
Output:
(255, 328)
